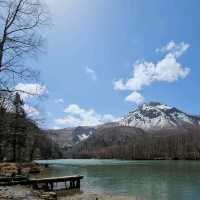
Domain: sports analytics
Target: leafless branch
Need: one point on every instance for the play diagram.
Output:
(21, 22)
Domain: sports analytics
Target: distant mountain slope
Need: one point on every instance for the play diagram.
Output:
(158, 116)
(68, 137)
(63, 137)
(134, 143)
(152, 131)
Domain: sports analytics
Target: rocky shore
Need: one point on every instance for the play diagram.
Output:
(17, 193)
(85, 196)
(7, 169)
(26, 193)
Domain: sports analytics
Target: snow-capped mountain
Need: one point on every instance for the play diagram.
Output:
(153, 115)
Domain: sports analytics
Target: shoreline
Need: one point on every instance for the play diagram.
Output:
(26, 193)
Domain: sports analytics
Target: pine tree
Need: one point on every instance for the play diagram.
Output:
(18, 128)
(2, 130)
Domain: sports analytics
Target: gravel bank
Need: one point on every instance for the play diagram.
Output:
(26, 193)
(85, 196)
(17, 193)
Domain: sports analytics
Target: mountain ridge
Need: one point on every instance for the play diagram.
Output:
(155, 115)
(152, 127)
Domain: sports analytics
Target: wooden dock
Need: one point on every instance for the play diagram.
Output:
(47, 184)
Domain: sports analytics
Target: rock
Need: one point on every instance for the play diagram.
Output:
(7, 169)
(49, 196)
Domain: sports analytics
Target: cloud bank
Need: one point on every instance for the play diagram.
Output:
(77, 116)
(145, 73)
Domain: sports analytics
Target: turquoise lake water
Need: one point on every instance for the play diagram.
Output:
(146, 180)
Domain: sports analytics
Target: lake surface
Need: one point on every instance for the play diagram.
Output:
(146, 180)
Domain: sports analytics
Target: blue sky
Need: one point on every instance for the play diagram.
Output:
(94, 43)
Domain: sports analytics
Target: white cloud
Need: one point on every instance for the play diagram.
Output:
(135, 97)
(77, 116)
(61, 101)
(175, 49)
(56, 127)
(91, 73)
(29, 90)
(74, 109)
(119, 85)
(69, 121)
(145, 73)
(168, 69)
(31, 111)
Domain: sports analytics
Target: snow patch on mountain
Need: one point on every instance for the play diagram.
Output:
(82, 133)
(84, 136)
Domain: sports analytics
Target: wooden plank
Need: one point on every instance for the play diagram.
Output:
(15, 178)
(74, 181)
(56, 179)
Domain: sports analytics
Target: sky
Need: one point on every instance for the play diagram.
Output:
(105, 57)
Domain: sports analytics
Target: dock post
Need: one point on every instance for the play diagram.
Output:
(47, 187)
(78, 185)
(72, 184)
(51, 184)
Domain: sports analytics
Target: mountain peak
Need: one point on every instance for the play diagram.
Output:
(155, 115)
(153, 104)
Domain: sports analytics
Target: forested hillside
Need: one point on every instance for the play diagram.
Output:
(134, 143)
(31, 143)
(21, 138)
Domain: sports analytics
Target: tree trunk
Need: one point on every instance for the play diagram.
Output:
(14, 147)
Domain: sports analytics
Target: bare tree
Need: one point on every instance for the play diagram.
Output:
(20, 36)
